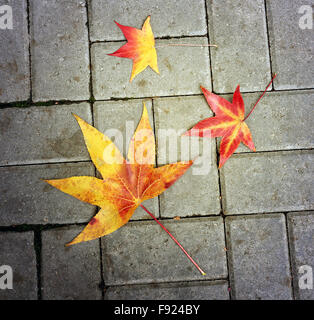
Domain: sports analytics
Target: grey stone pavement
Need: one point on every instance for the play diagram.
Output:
(250, 225)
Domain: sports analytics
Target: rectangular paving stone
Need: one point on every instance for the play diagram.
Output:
(42, 134)
(14, 58)
(281, 121)
(141, 252)
(69, 273)
(239, 29)
(268, 182)
(198, 290)
(301, 238)
(59, 49)
(17, 251)
(258, 257)
(197, 191)
(292, 48)
(119, 119)
(179, 74)
(168, 18)
(26, 199)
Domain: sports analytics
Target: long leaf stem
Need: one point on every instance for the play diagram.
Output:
(275, 75)
(186, 45)
(175, 240)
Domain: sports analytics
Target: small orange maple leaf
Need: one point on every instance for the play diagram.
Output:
(140, 48)
(125, 183)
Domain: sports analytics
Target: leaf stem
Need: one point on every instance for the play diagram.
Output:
(176, 241)
(275, 75)
(186, 45)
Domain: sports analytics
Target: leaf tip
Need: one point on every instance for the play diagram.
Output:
(68, 244)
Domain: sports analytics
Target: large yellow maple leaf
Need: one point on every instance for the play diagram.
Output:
(125, 183)
(140, 48)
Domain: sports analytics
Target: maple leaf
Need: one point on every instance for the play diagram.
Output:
(140, 48)
(125, 183)
(228, 123)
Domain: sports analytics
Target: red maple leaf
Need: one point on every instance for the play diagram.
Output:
(228, 123)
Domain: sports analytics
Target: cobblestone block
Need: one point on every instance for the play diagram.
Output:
(197, 192)
(204, 290)
(59, 49)
(301, 237)
(292, 47)
(42, 134)
(258, 257)
(179, 74)
(141, 252)
(268, 182)
(26, 199)
(281, 121)
(14, 58)
(168, 18)
(239, 29)
(119, 119)
(17, 251)
(69, 273)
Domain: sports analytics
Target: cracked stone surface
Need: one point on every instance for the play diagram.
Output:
(14, 60)
(78, 278)
(18, 252)
(42, 134)
(217, 290)
(169, 18)
(197, 192)
(292, 46)
(301, 233)
(26, 199)
(60, 31)
(144, 252)
(258, 256)
(239, 29)
(268, 182)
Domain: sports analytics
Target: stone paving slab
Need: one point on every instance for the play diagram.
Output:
(124, 116)
(141, 252)
(17, 251)
(26, 199)
(281, 121)
(238, 27)
(14, 60)
(59, 49)
(197, 192)
(203, 290)
(69, 273)
(258, 257)
(168, 18)
(42, 134)
(268, 182)
(301, 237)
(292, 48)
(179, 74)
